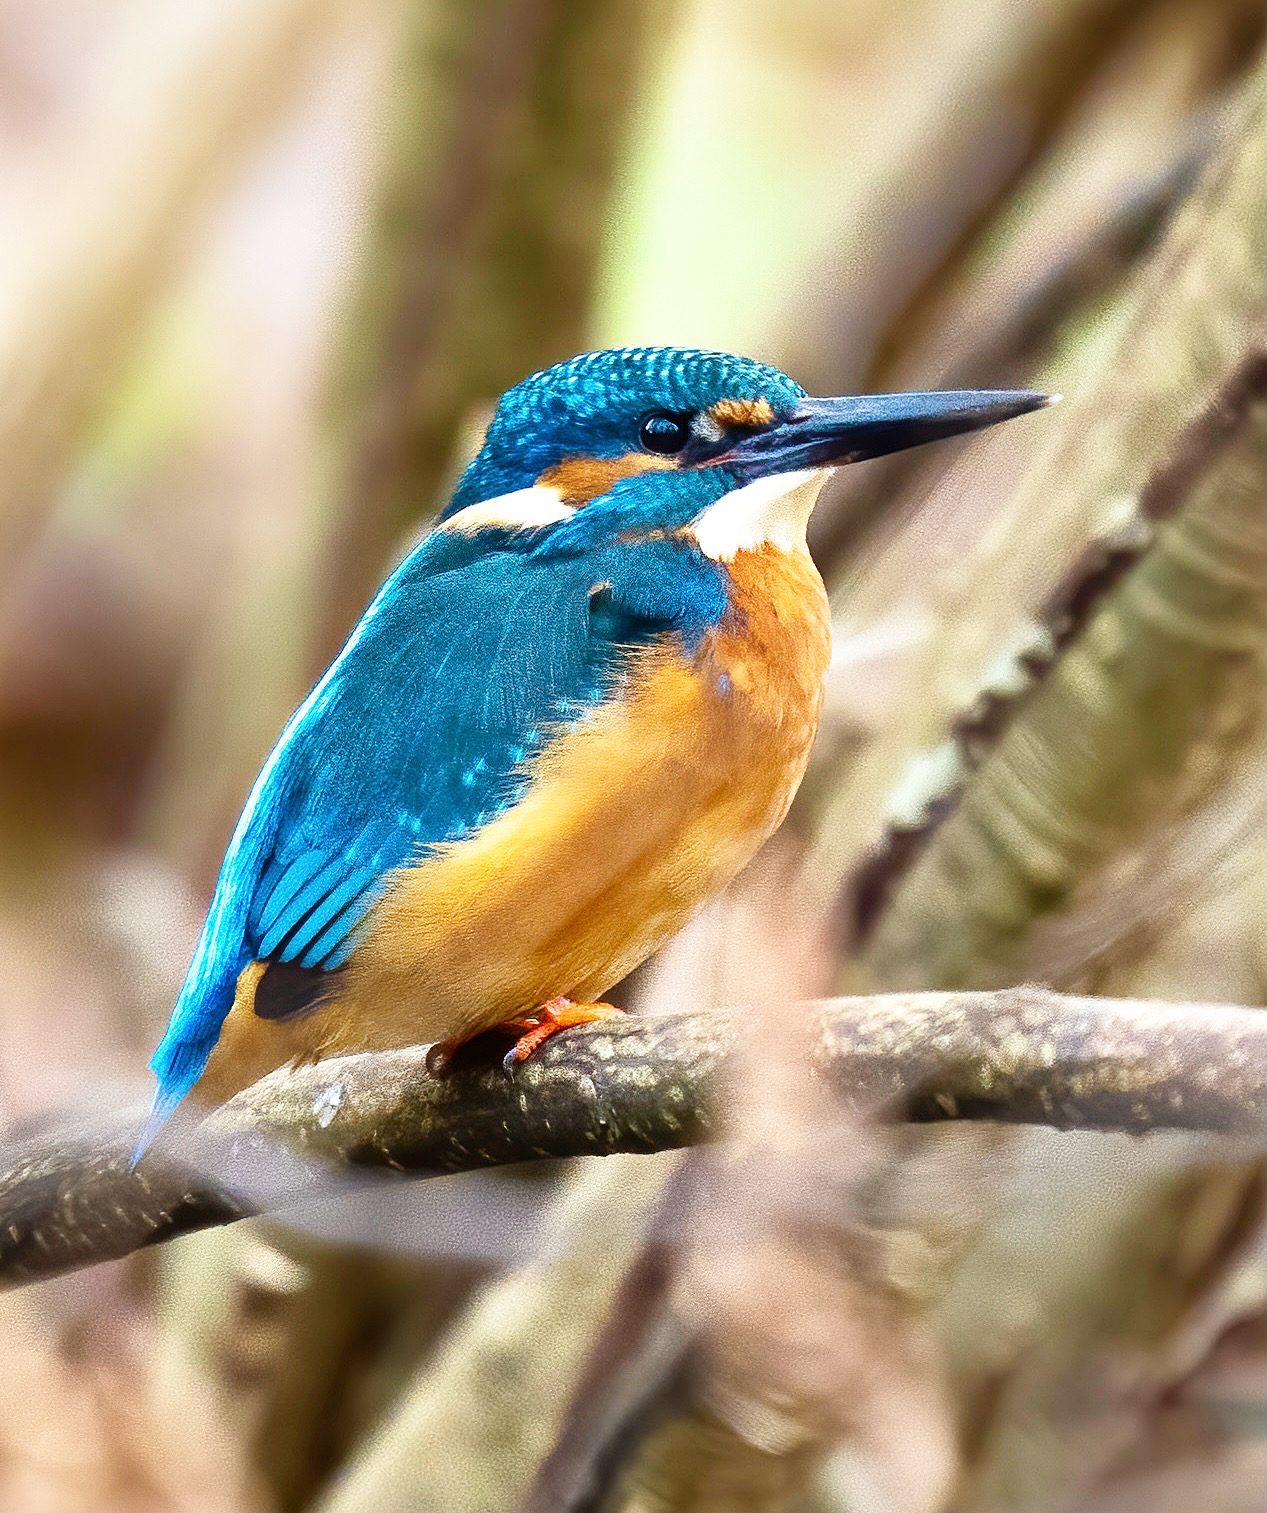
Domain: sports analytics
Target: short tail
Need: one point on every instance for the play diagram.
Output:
(184, 1050)
(161, 1110)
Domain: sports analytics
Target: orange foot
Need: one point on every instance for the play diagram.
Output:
(549, 1019)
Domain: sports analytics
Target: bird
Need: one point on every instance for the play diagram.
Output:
(568, 718)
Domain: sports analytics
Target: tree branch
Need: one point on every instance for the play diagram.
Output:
(641, 1084)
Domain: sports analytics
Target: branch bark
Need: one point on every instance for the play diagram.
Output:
(643, 1084)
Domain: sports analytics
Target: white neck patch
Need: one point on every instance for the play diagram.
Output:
(522, 510)
(774, 510)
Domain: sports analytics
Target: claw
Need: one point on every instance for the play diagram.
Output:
(440, 1056)
(532, 1030)
(549, 1019)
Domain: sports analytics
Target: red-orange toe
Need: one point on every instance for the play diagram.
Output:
(549, 1019)
(534, 1030)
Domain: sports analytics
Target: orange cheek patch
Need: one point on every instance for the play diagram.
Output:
(580, 479)
(742, 412)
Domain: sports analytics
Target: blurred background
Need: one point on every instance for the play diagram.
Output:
(264, 267)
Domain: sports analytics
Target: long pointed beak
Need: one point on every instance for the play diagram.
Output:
(832, 432)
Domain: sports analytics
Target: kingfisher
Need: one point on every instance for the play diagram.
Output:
(568, 718)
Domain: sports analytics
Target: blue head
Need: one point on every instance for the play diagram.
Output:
(651, 437)
(632, 408)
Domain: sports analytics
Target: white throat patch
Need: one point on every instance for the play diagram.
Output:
(774, 510)
(522, 510)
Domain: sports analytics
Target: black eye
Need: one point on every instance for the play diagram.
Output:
(664, 433)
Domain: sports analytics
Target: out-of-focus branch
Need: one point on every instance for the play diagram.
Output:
(1165, 693)
(642, 1084)
(1197, 467)
(1164, 354)
(142, 194)
(1141, 719)
(458, 1436)
(1013, 300)
(502, 147)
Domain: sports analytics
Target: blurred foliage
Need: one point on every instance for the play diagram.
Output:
(263, 268)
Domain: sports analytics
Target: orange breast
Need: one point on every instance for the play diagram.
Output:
(645, 810)
(633, 820)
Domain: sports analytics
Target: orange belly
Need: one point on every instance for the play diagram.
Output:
(633, 819)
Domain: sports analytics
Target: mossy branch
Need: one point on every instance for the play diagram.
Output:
(642, 1084)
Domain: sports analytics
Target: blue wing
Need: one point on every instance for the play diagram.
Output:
(473, 656)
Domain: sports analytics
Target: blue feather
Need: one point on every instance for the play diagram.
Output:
(334, 945)
(277, 929)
